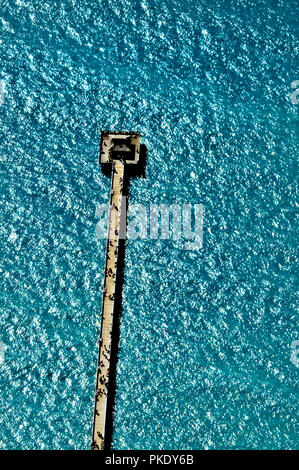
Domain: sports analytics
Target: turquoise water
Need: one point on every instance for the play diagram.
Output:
(206, 335)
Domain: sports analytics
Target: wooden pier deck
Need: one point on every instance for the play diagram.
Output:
(118, 149)
(114, 229)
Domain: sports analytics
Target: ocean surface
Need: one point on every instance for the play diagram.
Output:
(206, 336)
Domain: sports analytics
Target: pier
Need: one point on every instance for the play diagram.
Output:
(118, 152)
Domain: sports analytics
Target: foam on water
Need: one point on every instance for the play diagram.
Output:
(205, 336)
